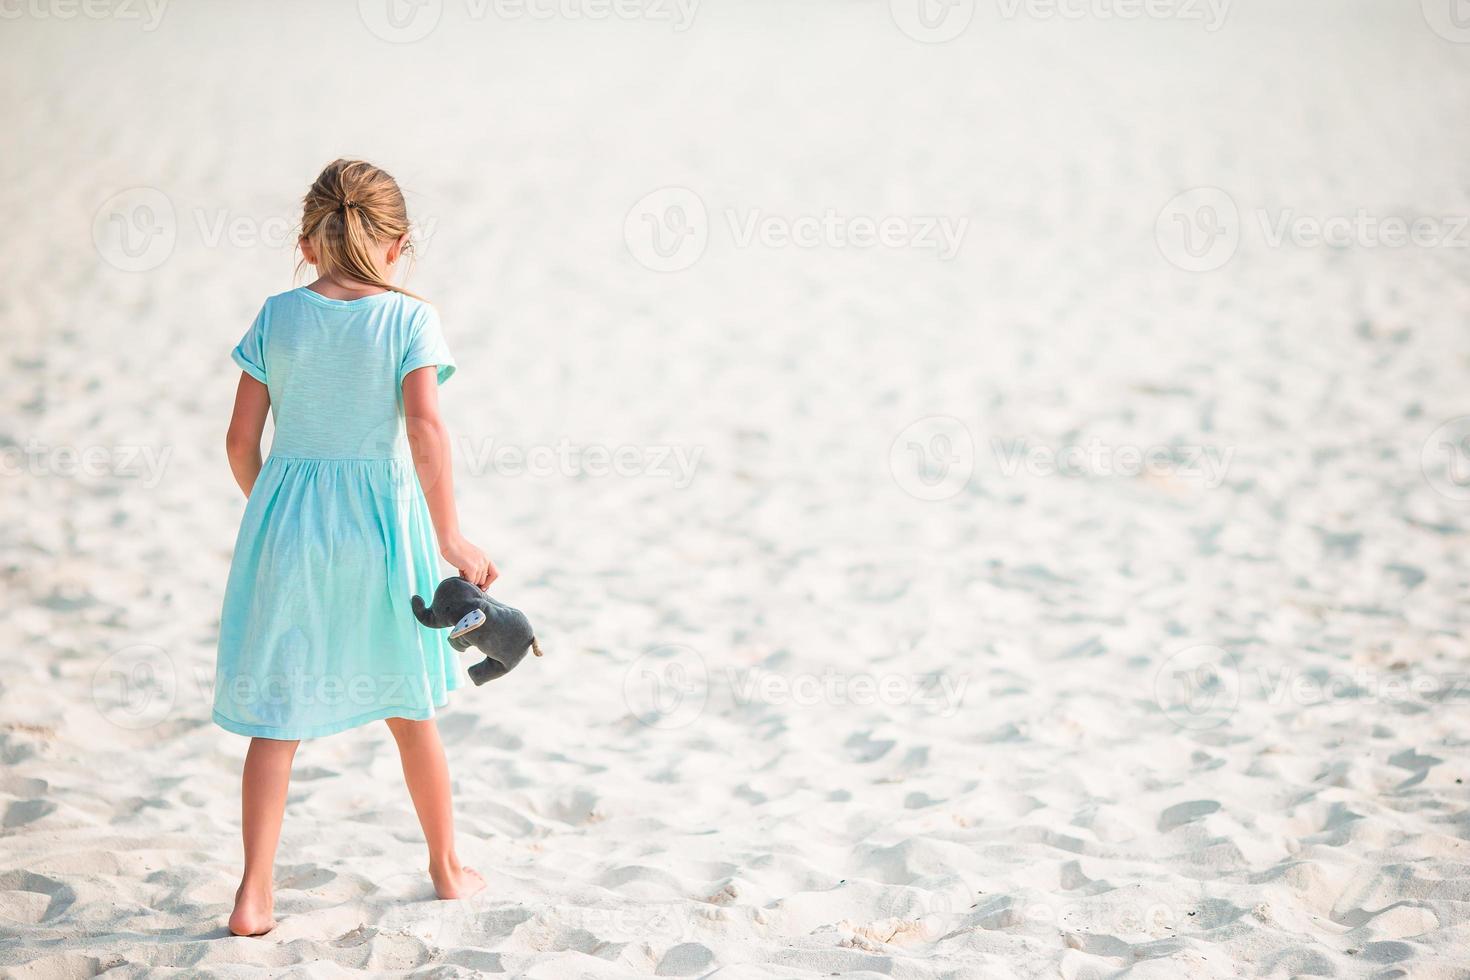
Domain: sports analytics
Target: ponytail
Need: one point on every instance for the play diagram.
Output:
(351, 207)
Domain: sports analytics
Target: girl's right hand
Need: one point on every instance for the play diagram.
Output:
(470, 561)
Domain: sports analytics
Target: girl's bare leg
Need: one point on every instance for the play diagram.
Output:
(263, 804)
(427, 774)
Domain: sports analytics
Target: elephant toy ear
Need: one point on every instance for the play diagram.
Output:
(471, 620)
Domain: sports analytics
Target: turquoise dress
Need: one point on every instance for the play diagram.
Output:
(317, 634)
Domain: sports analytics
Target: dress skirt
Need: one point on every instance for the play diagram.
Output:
(317, 634)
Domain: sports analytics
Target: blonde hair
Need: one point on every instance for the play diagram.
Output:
(351, 206)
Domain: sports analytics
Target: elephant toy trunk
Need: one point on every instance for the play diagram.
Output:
(422, 612)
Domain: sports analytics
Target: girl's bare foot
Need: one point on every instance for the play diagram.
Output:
(253, 913)
(453, 881)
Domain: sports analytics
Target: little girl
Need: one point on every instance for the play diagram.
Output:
(317, 633)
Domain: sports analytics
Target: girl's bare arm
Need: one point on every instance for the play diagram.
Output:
(242, 442)
(428, 439)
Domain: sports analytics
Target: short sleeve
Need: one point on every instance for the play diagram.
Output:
(249, 353)
(426, 346)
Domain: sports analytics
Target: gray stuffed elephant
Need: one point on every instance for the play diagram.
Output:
(501, 633)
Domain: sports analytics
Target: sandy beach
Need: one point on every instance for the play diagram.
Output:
(992, 485)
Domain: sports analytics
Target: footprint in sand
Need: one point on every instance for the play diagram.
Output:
(23, 812)
(30, 899)
(1182, 813)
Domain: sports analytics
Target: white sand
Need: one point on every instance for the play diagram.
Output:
(1029, 810)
